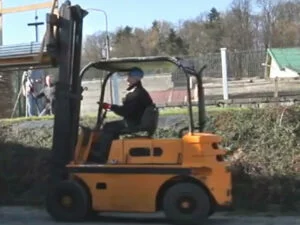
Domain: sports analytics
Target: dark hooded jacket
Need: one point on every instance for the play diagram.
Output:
(134, 104)
(49, 93)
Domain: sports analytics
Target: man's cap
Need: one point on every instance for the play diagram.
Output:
(136, 72)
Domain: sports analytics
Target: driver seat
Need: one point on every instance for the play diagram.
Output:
(149, 123)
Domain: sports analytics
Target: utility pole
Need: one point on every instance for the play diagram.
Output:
(36, 24)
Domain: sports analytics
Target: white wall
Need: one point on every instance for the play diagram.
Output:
(276, 72)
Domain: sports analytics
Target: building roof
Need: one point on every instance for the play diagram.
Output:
(173, 95)
(286, 58)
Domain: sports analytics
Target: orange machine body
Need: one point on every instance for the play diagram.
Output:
(139, 170)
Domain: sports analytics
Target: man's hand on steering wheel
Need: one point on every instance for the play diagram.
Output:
(105, 105)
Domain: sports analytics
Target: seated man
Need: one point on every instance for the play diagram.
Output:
(134, 105)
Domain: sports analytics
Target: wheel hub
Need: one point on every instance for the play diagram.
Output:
(66, 201)
(186, 204)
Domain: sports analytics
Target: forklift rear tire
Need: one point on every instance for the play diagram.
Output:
(68, 202)
(186, 203)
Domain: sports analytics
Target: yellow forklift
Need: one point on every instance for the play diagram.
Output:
(185, 177)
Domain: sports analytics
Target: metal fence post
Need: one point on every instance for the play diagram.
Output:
(224, 73)
(276, 89)
(115, 88)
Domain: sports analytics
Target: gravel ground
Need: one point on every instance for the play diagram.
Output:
(32, 216)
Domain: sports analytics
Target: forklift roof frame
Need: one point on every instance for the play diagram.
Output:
(124, 64)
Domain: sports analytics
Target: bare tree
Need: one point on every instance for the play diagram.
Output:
(94, 46)
(238, 25)
(286, 28)
(151, 40)
(194, 33)
(279, 24)
(268, 20)
(239, 34)
(258, 36)
(128, 42)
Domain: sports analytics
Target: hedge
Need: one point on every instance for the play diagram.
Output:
(263, 148)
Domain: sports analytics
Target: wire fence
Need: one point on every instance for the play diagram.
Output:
(246, 83)
(241, 64)
(213, 62)
(7, 94)
(168, 88)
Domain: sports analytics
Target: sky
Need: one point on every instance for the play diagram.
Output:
(134, 13)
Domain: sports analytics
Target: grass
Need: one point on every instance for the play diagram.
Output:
(177, 111)
(90, 119)
(23, 119)
(168, 111)
(184, 110)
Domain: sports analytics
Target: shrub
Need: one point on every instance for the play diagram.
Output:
(263, 148)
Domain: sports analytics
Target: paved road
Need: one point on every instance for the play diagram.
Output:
(30, 216)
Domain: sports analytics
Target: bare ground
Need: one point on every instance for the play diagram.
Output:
(34, 216)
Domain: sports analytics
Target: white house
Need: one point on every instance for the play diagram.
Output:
(284, 62)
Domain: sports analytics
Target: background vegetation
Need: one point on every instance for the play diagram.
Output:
(245, 25)
(247, 28)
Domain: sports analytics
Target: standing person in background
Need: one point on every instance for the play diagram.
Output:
(28, 91)
(32, 83)
(49, 93)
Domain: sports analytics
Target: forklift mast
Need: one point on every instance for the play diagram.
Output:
(64, 42)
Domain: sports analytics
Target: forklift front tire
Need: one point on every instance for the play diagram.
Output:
(68, 202)
(186, 203)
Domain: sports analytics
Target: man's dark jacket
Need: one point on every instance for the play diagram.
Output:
(134, 104)
(49, 93)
